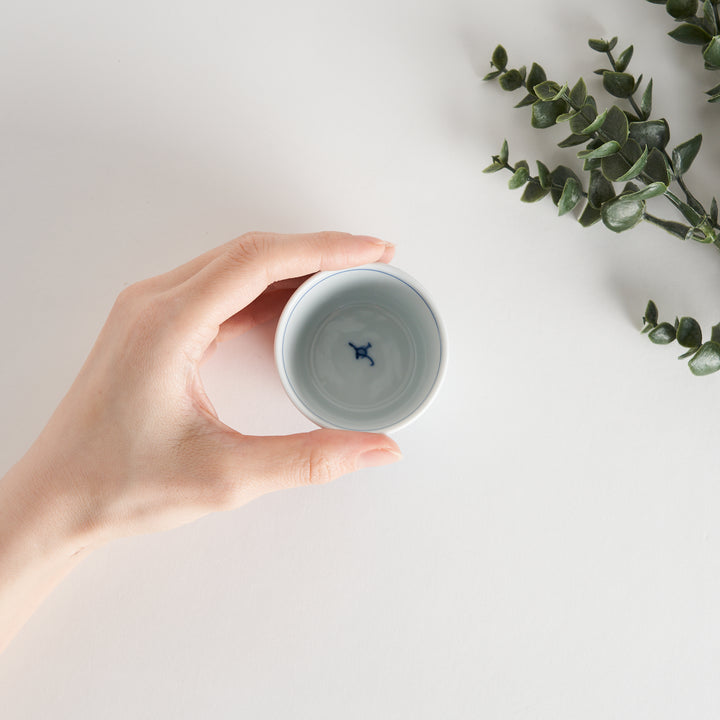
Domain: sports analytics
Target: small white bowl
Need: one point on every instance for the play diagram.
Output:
(361, 349)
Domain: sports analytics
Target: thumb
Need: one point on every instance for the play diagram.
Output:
(273, 463)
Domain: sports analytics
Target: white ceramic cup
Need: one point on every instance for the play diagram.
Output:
(361, 349)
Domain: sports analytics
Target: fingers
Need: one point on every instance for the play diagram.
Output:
(250, 263)
(266, 464)
(267, 307)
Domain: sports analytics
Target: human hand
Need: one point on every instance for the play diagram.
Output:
(136, 446)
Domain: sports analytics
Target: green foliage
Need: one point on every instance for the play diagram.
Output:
(699, 24)
(619, 143)
(704, 356)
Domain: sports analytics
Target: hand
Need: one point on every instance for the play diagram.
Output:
(135, 446)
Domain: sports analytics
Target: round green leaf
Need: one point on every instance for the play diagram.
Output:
(624, 59)
(684, 154)
(608, 148)
(712, 52)
(616, 126)
(616, 167)
(595, 124)
(637, 167)
(500, 57)
(689, 333)
(619, 84)
(535, 76)
(706, 360)
(534, 192)
(653, 133)
(600, 190)
(558, 178)
(545, 113)
(651, 314)
(543, 174)
(590, 216)
(656, 167)
(571, 194)
(690, 34)
(519, 178)
(511, 80)
(578, 94)
(599, 45)
(681, 8)
(622, 213)
(586, 115)
(663, 334)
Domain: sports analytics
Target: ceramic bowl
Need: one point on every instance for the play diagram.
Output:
(361, 349)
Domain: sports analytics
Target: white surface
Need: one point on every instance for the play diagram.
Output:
(549, 548)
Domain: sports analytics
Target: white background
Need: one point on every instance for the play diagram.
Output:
(549, 546)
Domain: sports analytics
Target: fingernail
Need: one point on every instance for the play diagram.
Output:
(373, 458)
(373, 240)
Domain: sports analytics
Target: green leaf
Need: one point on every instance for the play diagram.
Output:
(690, 34)
(689, 333)
(527, 100)
(651, 314)
(612, 42)
(684, 154)
(713, 91)
(494, 167)
(545, 113)
(646, 101)
(662, 334)
(706, 360)
(558, 178)
(549, 90)
(534, 192)
(681, 8)
(619, 84)
(573, 140)
(715, 333)
(522, 163)
(600, 190)
(500, 57)
(649, 191)
(677, 229)
(578, 94)
(712, 52)
(492, 75)
(504, 152)
(618, 167)
(637, 167)
(590, 216)
(691, 215)
(571, 194)
(622, 213)
(656, 167)
(511, 80)
(624, 59)
(616, 125)
(653, 133)
(714, 211)
(535, 76)
(595, 124)
(584, 117)
(543, 175)
(709, 16)
(608, 148)
(519, 178)
(599, 45)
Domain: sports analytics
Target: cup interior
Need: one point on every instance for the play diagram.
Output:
(360, 349)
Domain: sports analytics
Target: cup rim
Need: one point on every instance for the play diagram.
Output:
(317, 278)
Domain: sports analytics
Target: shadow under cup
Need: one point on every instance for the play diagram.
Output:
(361, 349)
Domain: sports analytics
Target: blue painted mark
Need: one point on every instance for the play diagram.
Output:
(362, 352)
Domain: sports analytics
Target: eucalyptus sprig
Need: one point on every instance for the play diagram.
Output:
(621, 146)
(704, 356)
(699, 25)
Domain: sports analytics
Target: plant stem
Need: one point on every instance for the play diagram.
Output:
(631, 98)
(507, 166)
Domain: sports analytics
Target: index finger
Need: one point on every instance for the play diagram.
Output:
(255, 260)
